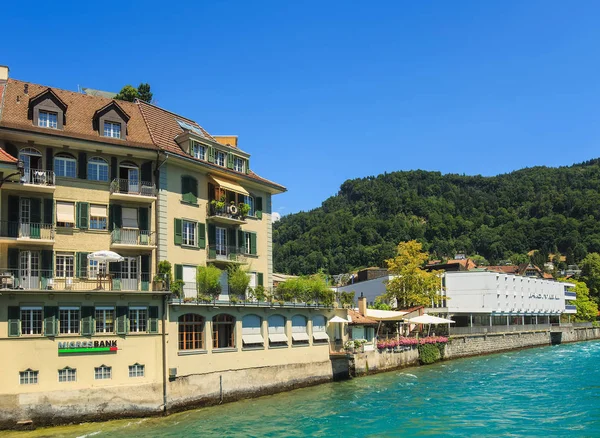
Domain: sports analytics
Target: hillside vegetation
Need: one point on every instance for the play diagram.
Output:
(501, 217)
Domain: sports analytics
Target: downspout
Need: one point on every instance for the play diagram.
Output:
(164, 350)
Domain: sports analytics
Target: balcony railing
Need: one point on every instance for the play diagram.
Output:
(497, 329)
(132, 187)
(231, 212)
(27, 230)
(41, 279)
(131, 236)
(570, 307)
(571, 295)
(38, 177)
(226, 253)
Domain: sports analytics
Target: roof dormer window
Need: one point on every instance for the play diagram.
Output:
(238, 164)
(112, 129)
(198, 151)
(47, 119)
(220, 158)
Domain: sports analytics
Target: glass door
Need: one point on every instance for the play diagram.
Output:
(134, 180)
(25, 218)
(129, 273)
(29, 270)
(221, 236)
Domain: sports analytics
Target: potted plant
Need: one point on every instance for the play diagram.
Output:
(349, 346)
(243, 210)
(163, 278)
(177, 288)
(208, 281)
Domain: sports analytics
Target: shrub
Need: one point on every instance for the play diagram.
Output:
(164, 271)
(258, 293)
(208, 281)
(177, 287)
(238, 281)
(346, 299)
(429, 353)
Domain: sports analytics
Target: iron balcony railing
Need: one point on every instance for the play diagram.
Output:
(27, 230)
(132, 187)
(132, 236)
(570, 295)
(32, 278)
(38, 177)
(570, 307)
(227, 211)
(226, 253)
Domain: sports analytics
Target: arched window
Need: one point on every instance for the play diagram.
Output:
(32, 160)
(65, 165)
(191, 332)
(223, 331)
(319, 327)
(251, 331)
(299, 333)
(277, 336)
(97, 169)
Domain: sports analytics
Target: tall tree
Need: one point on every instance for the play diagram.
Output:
(590, 274)
(127, 93)
(144, 92)
(411, 284)
(587, 309)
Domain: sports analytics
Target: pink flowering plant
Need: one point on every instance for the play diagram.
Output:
(408, 342)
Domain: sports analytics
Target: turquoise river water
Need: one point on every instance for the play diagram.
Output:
(549, 391)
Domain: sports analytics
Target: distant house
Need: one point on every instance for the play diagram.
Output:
(457, 264)
(524, 269)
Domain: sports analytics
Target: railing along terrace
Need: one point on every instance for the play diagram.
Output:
(38, 177)
(44, 279)
(498, 329)
(132, 187)
(228, 211)
(226, 253)
(132, 236)
(27, 230)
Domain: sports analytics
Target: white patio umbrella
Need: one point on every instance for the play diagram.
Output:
(105, 256)
(429, 319)
(338, 319)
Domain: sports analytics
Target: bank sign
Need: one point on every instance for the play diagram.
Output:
(74, 347)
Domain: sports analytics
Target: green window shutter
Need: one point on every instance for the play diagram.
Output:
(231, 239)
(260, 279)
(201, 236)
(143, 219)
(50, 325)
(145, 271)
(13, 259)
(193, 195)
(48, 211)
(242, 240)
(258, 208)
(115, 216)
(229, 160)
(253, 243)
(184, 187)
(178, 272)
(36, 210)
(83, 218)
(212, 234)
(82, 166)
(122, 320)
(111, 216)
(153, 319)
(82, 264)
(178, 232)
(247, 166)
(87, 320)
(14, 323)
(47, 263)
(211, 154)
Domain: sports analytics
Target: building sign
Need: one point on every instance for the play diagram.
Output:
(87, 347)
(544, 296)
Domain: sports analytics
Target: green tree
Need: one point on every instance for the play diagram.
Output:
(479, 260)
(590, 274)
(144, 93)
(127, 93)
(412, 285)
(238, 281)
(208, 282)
(538, 258)
(587, 309)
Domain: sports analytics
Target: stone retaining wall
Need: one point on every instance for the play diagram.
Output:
(375, 361)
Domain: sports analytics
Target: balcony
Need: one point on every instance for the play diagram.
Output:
(570, 296)
(36, 181)
(132, 190)
(39, 279)
(226, 254)
(570, 309)
(132, 238)
(27, 233)
(225, 214)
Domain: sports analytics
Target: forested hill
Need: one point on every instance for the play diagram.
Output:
(500, 217)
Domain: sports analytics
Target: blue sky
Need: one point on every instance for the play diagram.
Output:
(320, 92)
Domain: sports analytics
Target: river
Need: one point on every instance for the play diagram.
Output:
(548, 391)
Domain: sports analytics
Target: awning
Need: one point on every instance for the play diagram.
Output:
(429, 319)
(277, 337)
(98, 210)
(65, 212)
(229, 185)
(338, 319)
(300, 337)
(252, 339)
(320, 336)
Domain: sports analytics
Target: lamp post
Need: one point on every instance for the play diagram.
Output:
(20, 171)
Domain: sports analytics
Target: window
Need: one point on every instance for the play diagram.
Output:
(238, 164)
(97, 169)
(65, 214)
(28, 377)
(299, 333)
(69, 320)
(96, 268)
(319, 333)
(48, 119)
(65, 165)
(112, 129)
(130, 217)
(223, 331)
(191, 332)
(189, 233)
(251, 331)
(277, 336)
(31, 320)
(98, 216)
(198, 151)
(67, 375)
(102, 372)
(105, 319)
(220, 158)
(136, 370)
(221, 237)
(64, 265)
(250, 201)
(138, 319)
(247, 243)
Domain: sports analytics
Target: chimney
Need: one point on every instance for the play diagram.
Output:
(362, 305)
(3, 74)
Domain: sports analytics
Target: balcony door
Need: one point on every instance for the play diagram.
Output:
(129, 273)
(29, 269)
(32, 161)
(189, 279)
(221, 241)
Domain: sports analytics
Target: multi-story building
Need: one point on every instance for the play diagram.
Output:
(80, 174)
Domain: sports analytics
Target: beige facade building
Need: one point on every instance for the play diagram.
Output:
(87, 338)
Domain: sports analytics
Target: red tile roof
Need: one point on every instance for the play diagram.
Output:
(358, 319)
(511, 269)
(5, 157)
